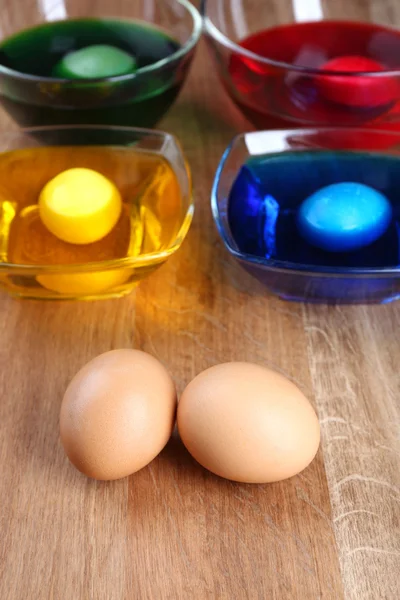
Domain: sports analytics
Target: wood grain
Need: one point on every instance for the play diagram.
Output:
(353, 361)
(174, 531)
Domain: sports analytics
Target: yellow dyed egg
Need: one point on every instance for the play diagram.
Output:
(85, 284)
(80, 206)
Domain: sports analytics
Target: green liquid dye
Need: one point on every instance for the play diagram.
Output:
(38, 50)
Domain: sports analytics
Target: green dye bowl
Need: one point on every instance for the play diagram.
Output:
(42, 62)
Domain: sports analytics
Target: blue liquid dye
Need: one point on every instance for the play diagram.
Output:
(268, 191)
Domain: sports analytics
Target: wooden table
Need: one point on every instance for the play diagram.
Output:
(174, 531)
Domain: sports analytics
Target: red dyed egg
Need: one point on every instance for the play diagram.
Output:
(357, 91)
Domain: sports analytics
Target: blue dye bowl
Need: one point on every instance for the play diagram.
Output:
(262, 180)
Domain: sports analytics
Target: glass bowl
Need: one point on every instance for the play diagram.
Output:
(275, 59)
(155, 218)
(298, 280)
(137, 99)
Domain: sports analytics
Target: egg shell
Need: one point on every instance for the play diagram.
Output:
(357, 91)
(117, 414)
(80, 206)
(247, 423)
(345, 216)
(96, 61)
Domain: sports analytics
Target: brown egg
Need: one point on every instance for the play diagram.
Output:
(117, 414)
(247, 423)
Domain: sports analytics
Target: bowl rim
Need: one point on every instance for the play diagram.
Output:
(179, 53)
(212, 30)
(286, 267)
(150, 258)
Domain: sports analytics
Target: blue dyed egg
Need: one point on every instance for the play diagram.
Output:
(344, 216)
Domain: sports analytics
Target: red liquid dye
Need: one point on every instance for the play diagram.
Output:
(269, 93)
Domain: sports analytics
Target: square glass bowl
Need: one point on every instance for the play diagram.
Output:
(370, 281)
(157, 210)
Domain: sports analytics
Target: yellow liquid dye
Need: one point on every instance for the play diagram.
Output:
(152, 214)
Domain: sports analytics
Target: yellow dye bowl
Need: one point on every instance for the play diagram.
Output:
(131, 208)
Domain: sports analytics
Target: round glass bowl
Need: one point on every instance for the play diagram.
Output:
(292, 164)
(298, 63)
(154, 181)
(137, 99)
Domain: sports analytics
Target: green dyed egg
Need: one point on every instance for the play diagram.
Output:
(95, 62)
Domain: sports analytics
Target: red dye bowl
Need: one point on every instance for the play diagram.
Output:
(316, 72)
